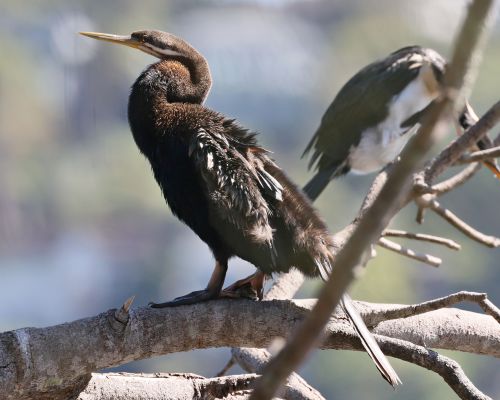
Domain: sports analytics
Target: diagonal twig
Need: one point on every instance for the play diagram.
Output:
(480, 155)
(428, 201)
(404, 251)
(453, 152)
(456, 180)
(423, 237)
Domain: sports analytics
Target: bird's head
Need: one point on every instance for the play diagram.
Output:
(162, 45)
(189, 83)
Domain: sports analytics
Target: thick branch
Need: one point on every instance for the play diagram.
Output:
(254, 361)
(57, 361)
(123, 386)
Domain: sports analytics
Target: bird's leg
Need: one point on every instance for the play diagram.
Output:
(250, 287)
(212, 290)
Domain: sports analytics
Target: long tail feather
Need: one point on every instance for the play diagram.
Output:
(369, 343)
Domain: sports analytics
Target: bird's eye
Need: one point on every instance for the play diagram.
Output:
(138, 36)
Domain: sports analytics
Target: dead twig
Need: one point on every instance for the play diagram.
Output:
(429, 201)
(480, 155)
(456, 180)
(404, 251)
(422, 237)
(415, 309)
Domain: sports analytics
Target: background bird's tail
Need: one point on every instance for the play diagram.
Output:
(369, 343)
(317, 184)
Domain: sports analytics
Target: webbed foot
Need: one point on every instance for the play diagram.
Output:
(191, 298)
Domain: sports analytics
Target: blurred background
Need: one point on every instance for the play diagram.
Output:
(83, 225)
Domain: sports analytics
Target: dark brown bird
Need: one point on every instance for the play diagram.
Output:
(220, 182)
(376, 112)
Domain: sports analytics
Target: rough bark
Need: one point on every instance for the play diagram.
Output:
(57, 361)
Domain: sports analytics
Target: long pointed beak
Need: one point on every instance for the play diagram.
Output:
(108, 37)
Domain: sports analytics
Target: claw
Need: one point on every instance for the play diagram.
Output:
(251, 287)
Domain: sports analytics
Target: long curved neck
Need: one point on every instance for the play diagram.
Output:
(180, 78)
(199, 72)
(186, 71)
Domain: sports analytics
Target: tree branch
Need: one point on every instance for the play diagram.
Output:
(404, 251)
(422, 237)
(480, 299)
(480, 155)
(428, 201)
(56, 362)
(448, 369)
(113, 386)
(455, 149)
(254, 361)
(456, 180)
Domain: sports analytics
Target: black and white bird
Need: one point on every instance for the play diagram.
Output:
(375, 113)
(221, 183)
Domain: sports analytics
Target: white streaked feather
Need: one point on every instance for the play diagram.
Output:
(381, 144)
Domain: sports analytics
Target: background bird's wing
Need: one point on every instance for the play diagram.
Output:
(362, 102)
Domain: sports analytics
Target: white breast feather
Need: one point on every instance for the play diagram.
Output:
(381, 144)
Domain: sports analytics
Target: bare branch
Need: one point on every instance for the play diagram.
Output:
(490, 309)
(456, 180)
(448, 369)
(453, 152)
(480, 155)
(296, 387)
(423, 237)
(428, 201)
(436, 304)
(68, 353)
(112, 386)
(404, 251)
(285, 286)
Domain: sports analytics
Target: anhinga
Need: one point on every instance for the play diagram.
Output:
(376, 112)
(220, 182)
